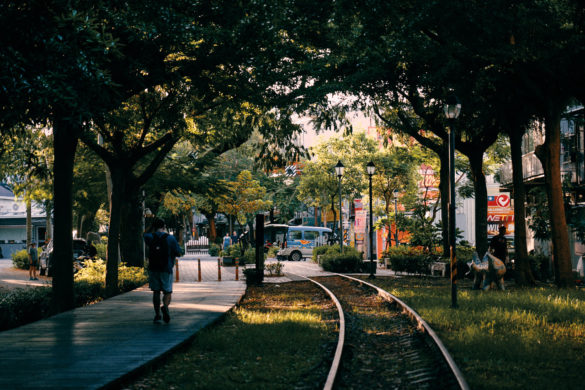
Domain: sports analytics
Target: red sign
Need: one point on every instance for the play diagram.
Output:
(501, 200)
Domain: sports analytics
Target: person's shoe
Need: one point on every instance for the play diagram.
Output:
(156, 319)
(165, 313)
(35, 278)
(31, 279)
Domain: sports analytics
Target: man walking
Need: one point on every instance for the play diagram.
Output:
(163, 249)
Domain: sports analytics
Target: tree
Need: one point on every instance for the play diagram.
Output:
(319, 186)
(26, 166)
(70, 62)
(396, 172)
(89, 190)
(244, 199)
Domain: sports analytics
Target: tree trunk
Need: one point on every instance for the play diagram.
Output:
(444, 193)
(212, 229)
(523, 274)
(334, 213)
(113, 252)
(131, 228)
(80, 226)
(479, 186)
(549, 155)
(64, 145)
(48, 222)
(29, 237)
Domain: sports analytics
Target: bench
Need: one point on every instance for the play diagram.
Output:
(438, 266)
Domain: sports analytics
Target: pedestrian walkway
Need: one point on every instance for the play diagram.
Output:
(93, 346)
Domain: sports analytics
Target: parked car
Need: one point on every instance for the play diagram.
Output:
(79, 255)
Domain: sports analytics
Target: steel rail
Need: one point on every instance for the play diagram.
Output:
(422, 326)
(340, 341)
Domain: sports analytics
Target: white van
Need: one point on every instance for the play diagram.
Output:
(299, 241)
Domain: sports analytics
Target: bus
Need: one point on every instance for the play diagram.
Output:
(296, 242)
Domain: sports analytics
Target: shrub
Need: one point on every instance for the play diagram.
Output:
(349, 261)
(275, 269)
(22, 306)
(321, 250)
(232, 251)
(213, 250)
(465, 253)
(250, 256)
(129, 278)
(272, 251)
(102, 249)
(20, 259)
(539, 265)
(409, 259)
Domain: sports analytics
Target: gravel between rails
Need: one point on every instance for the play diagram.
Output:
(384, 349)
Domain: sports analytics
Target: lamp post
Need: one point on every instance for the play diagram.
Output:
(371, 169)
(395, 192)
(339, 168)
(452, 109)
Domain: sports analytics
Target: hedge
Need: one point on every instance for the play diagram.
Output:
(24, 305)
(349, 261)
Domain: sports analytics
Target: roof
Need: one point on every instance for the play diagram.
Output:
(5, 191)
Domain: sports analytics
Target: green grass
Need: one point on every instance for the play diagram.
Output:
(275, 339)
(519, 338)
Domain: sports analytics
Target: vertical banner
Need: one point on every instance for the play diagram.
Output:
(360, 221)
(500, 212)
(260, 241)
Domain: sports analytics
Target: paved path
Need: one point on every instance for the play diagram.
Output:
(93, 346)
(90, 347)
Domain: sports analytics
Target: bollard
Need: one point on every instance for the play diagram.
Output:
(199, 269)
(176, 270)
(237, 264)
(218, 270)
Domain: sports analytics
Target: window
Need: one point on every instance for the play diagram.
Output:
(295, 235)
(311, 235)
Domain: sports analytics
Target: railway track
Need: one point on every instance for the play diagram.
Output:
(383, 343)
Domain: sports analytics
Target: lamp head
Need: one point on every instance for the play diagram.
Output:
(371, 168)
(339, 168)
(452, 107)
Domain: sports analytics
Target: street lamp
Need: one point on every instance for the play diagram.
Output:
(452, 109)
(395, 192)
(371, 169)
(339, 168)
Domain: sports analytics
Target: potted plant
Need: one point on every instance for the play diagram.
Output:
(230, 255)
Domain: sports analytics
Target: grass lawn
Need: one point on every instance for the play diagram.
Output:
(283, 337)
(515, 339)
(279, 337)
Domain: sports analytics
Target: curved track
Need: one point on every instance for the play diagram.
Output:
(383, 343)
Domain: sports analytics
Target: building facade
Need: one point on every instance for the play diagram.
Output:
(572, 172)
(13, 223)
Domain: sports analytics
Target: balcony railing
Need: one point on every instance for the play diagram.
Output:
(531, 169)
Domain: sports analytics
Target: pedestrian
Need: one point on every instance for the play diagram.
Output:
(33, 259)
(234, 238)
(227, 241)
(163, 250)
(243, 240)
(499, 245)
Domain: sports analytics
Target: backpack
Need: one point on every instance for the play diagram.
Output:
(158, 254)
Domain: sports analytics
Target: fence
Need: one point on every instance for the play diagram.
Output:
(199, 246)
